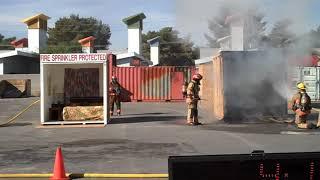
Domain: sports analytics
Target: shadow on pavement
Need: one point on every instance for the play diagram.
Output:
(261, 125)
(17, 124)
(141, 119)
(257, 128)
(144, 114)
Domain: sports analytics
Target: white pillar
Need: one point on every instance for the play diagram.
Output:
(87, 49)
(135, 26)
(237, 38)
(37, 40)
(42, 93)
(1, 68)
(154, 50)
(154, 55)
(134, 40)
(37, 32)
(105, 94)
(87, 44)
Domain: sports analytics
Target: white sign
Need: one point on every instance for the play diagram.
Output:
(56, 58)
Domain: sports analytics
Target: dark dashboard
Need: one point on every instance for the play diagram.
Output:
(257, 165)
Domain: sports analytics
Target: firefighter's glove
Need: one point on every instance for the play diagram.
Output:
(189, 101)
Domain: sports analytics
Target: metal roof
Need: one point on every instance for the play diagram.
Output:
(154, 40)
(17, 53)
(37, 16)
(203, 60)
(86, 39)
(133, 19)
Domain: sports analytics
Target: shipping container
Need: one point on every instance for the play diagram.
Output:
(163, 83)
(206, 87)
(308, 75)
(245, 85)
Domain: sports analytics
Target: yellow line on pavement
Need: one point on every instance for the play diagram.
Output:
(25, 175)
(86, 175)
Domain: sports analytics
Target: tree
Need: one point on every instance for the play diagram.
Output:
(312, 38)
(63, 48)
(254, 25)
(5, 42)
(174, 50)
(305, 43)
(1, 37)
(68, 30)
(254, 28)
(217, 27)
(280, 35)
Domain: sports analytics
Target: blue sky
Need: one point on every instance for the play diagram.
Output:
(188, 16)
(159, 13)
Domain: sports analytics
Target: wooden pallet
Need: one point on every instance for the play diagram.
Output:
(168, 100)
(67, 124)
(70, 126)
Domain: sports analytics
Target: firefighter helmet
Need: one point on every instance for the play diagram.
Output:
(197, 77)
(301, 86)
(114, 78)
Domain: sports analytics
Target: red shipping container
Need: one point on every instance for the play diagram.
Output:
(161, 83)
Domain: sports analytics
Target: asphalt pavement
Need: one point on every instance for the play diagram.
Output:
(140, 141)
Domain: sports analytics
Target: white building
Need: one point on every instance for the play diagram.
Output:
(234, 41)
(238, 40)
(37, 32)
(132, 56)
(154, 50)
(87, 44)
(25, 58)
(206, 55)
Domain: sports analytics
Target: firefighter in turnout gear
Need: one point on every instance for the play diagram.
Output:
(115, 91)
(192, 100)
(301, 105)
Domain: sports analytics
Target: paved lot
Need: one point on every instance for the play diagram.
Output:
(140, 141)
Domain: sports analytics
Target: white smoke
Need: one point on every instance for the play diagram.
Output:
(268, 72)
(193, 15)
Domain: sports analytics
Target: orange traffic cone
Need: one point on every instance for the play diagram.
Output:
(58, 171)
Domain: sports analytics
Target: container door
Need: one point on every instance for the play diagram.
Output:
(176, 85)
(318, 83)
(309, 77)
